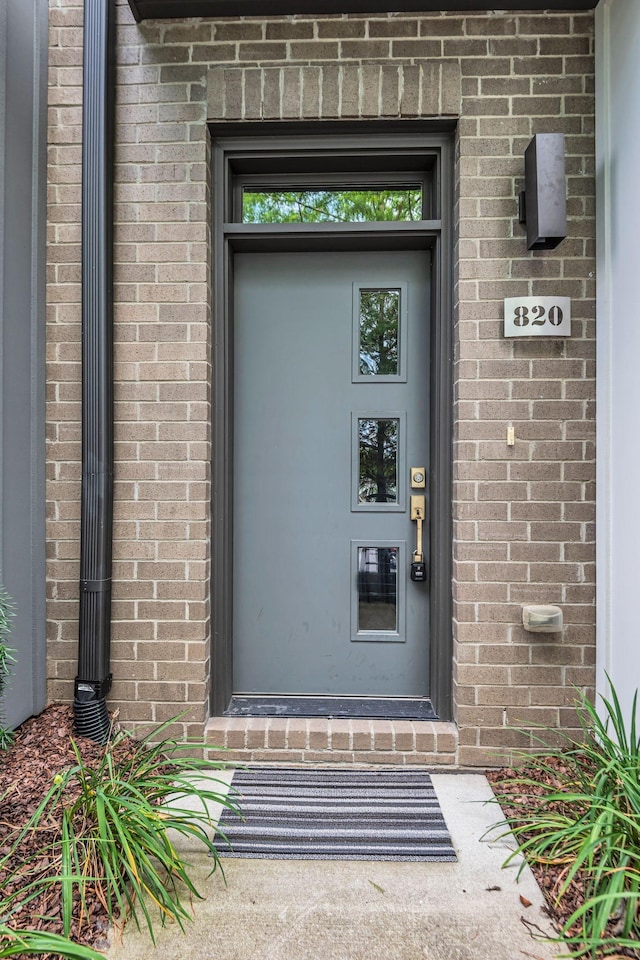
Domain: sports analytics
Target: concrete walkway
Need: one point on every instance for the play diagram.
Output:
(329, 910)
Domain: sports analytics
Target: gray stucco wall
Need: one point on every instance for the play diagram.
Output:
(618, 161)
(23, 65)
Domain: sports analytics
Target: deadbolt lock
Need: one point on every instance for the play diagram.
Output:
(418, 478)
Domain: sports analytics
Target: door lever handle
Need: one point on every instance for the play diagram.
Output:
(418, 569)
(417, 514)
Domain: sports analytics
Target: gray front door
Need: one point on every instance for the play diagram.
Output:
(331, 413)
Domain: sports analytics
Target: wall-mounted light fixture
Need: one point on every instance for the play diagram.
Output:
(543, 202)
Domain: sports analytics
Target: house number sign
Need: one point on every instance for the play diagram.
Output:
(537, 317)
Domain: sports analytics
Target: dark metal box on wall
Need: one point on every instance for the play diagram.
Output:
(543, 202)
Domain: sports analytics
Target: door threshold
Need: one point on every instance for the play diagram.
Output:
(373, 708)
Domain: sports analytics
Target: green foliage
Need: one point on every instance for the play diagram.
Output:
(583, 812)
(116, 826)
(7, 660)
(335, 206)
(35, 943)
(378, 448)
(379, 328)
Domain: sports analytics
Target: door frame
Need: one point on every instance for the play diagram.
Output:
(275, 149)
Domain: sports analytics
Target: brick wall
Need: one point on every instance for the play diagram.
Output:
(523, 516)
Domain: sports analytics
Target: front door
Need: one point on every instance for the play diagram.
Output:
(331, 393)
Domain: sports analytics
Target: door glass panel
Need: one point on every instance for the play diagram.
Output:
(320, 205)
(379, 330)
(379, 324)
(377, 589)
(377, 460)
(378, 594)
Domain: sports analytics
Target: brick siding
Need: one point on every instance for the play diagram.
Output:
(523, 515)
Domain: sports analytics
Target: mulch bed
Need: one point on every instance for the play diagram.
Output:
(42, 748)
(514, 797)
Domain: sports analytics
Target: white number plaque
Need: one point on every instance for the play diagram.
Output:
(537, 317)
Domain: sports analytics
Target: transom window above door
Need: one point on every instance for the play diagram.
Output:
(380, 186)
(326, 204)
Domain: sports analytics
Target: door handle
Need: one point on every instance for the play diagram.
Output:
(418, 568)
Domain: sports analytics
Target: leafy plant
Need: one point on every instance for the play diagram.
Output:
(35, 943)
(115, 825)
(580, 810)
(7, 660)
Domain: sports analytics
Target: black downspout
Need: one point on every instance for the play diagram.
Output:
(96, 520)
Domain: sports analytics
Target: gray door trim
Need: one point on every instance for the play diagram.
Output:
(227, 237)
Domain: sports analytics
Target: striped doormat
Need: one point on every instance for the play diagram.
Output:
(298, 814)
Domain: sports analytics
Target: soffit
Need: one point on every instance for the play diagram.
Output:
(181, 9)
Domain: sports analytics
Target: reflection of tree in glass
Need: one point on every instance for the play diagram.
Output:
(379, 332)
(378, 440)
(335, 206)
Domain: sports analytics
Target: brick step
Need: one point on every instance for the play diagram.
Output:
(323, 740)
